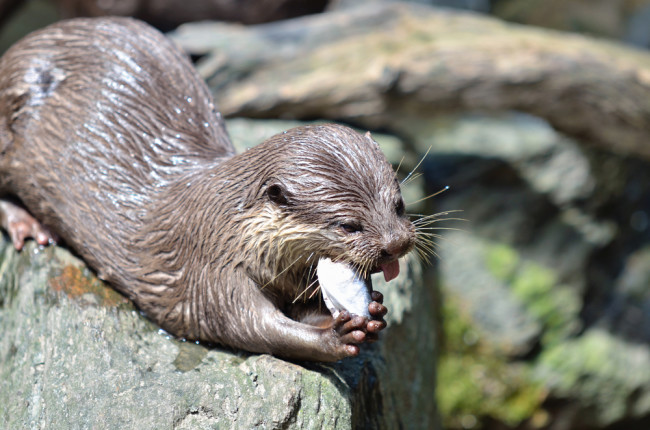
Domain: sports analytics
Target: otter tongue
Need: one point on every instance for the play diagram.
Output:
(391, 270)
(343, 288)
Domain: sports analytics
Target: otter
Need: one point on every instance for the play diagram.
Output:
(111, 142)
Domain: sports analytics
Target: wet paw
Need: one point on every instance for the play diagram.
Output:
(21, 226)
(350, 332)
(377, 312)
(353, 330)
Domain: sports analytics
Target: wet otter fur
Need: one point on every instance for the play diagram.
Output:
(112, 141)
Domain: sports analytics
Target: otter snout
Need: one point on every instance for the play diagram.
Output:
(397, 245)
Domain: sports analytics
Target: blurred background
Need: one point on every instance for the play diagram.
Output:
(535, 113)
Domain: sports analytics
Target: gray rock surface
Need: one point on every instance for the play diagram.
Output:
(73, 359)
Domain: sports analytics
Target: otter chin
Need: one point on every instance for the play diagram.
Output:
(112, 143)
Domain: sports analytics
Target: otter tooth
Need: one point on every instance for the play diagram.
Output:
(343, 288)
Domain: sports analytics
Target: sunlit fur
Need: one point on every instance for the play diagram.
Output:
(110, 137)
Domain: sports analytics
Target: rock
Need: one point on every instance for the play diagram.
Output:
(607, 374)
(424, 62)
(76, 354)
(603, 19)
(553, 210)
(414, 295)
(475, 5)
(486, 298)
(548, 163)
(542, 138)
(168, 14)
(629, 305)
(527, 301)
(638, 29)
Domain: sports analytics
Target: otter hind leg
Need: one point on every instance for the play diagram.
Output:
(21, 225)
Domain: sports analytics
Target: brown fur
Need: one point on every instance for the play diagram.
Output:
(111, 139)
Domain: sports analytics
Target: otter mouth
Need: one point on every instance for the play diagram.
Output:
(344, 289)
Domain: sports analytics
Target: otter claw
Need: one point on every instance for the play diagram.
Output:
(376, 296)
(375, 326)
(377, 310)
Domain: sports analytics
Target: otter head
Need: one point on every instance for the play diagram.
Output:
(329, 192)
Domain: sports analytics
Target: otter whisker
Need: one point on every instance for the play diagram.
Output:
(429, 196)
(305, 291)
(426, 240)
(422, 222)
(411, 179)
(399, 165)
(424, 245)
(434, 220)
(426, 248)
(419, 254)
(429, 223)
(436, 215)
(341, 257)
(432, 226)
(311, 269)
(438, 228)
(365, 269)
(425, 234)
(316, 290)
(417, 165)
(432, 238)
(430, 242)
(281, 272)
(425, 254)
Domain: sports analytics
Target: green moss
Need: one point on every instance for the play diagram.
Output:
(554, 305)
(475, 383)
(189, 356)
(501, 260)
(605, 374)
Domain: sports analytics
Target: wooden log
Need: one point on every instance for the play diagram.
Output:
(375, 66)
(168, 14)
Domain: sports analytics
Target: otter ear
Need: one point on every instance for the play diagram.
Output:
(369, 137)
(278, 194)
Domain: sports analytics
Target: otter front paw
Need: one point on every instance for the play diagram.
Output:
(354, 329)
(377, 312)
(351, 331)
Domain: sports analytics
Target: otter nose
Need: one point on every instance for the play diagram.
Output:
(396, 248)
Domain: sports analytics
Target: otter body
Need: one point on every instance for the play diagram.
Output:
(112, 141)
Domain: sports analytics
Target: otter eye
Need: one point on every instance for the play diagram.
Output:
(399, 207)
(277, 194)
(351, 227)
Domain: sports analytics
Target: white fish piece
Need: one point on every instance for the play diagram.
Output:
(342, 288)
